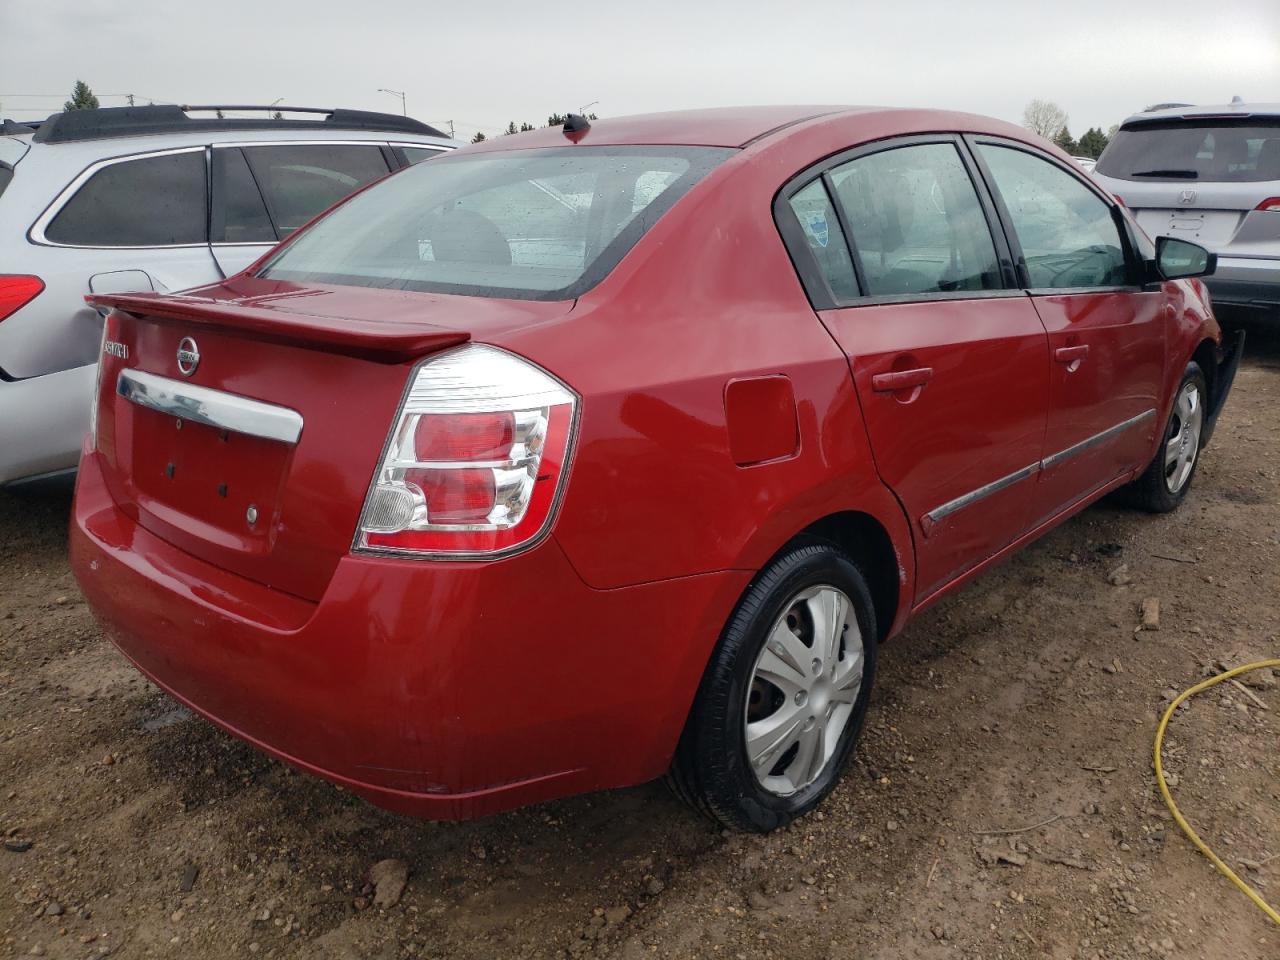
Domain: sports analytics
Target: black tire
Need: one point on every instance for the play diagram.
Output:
(1152, 490)
(711, 770)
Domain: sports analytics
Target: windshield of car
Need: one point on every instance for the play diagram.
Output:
(1220, 151)
(543, 224)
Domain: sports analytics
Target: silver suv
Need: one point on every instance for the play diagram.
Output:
(1210, 175)
(150, 198)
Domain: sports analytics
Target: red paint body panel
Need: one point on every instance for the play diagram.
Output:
(383, 674)
(427, 693)
(760, 415)
(1118, 376)
(979, 417)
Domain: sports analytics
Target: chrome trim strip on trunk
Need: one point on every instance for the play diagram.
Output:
(213, 408)
(973, 496)
(995, 486)
(1055, 458)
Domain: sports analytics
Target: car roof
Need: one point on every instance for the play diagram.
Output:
(727, 126)
(1224, 111)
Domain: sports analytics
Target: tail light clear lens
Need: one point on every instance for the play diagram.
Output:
(476, 460)
(1271, 204)
(97, 383)
(16, 291)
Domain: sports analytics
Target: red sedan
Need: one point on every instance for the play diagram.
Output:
(581, 457)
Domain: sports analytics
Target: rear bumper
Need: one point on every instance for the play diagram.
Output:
(1245, 282)
(43, 421)
(438, 690)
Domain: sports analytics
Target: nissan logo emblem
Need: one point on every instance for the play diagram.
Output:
(188, 356)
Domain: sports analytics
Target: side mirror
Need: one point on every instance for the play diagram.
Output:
(1176, 259)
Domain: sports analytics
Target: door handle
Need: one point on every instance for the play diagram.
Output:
(1071, 354)
(901, 380)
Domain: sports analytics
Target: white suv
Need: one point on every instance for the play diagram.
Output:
(150, 198)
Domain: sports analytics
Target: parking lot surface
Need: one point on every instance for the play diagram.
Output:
(1001, 804)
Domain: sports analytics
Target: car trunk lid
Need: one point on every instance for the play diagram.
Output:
(244, 423)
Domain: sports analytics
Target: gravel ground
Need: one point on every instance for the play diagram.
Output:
(1001, 804)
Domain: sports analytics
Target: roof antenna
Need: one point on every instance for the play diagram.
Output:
(576, 126)
(1236, 99)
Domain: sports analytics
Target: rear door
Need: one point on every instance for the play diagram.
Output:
(950, 362)
(1106, 333)
(262, 192)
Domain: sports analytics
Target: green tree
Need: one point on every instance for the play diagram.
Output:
(1065, 141)
(478, 138)
(82, 98)
(1092, 142)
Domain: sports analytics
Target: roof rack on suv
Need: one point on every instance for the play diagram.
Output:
(106, 122)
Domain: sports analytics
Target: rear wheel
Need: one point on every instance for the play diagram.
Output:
(783, 698)
(1165, 482)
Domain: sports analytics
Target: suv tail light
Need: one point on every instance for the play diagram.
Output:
(476, 459)
(17, 291)
(1271, 204)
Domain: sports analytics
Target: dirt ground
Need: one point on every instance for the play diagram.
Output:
(1026, 698)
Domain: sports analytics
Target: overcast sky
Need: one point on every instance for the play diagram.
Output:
(484, 62)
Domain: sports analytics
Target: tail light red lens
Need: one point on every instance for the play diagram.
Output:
(1271, 205)
(464, 436)
(476, 459)
(16, 291)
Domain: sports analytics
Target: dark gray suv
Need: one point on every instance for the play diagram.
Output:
(1210, 175)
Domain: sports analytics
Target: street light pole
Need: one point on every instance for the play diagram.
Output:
(396, 93)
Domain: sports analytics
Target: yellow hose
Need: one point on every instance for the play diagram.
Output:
(1226, 871)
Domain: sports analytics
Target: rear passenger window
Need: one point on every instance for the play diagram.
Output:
(301, 180)
(418, 154)
(1068, 236)
(239, 216)
(149, 202)
(916, 221)
(817, 216)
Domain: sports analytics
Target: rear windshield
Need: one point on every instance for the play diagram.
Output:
(1220, 152)
(529, 224)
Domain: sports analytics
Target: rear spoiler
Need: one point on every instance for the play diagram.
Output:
(381, 341)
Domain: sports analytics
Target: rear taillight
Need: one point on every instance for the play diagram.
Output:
(1271, 205)
(1119, 199)
(476, 460)
(17, 291)
(97, 383)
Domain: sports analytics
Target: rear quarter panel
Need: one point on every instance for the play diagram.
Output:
(707, 297)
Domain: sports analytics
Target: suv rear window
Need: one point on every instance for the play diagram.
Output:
(1217, 151)
(148, 202)
(530, 224)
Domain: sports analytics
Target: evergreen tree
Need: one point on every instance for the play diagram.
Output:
(1064, 140)
(1092, 142)
(478, 138)
(82, 98)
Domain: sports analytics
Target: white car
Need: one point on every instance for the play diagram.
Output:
(150, 198)
(1087, 162)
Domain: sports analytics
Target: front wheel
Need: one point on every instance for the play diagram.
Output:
(783, 698)
(1165, 482)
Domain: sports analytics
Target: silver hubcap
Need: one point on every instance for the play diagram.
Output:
(803, 689)
(1182, 442)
